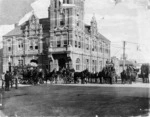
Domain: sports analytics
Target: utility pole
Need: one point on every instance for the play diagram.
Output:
(124, 58)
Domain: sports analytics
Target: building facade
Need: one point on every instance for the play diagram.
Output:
(26, 43)
(61, 40)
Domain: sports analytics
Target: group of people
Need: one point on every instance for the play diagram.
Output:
(8, 79)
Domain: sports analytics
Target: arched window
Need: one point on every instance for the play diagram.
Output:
(78, 64)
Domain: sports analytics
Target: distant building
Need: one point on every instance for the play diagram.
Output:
(61, 40)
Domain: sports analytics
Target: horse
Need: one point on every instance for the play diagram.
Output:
(51, 76)
(34, 76)
(40, 76)
(103, 75)
(82, 75)
(94, 77)
(123, 77)
(67, 75)
(46, 75)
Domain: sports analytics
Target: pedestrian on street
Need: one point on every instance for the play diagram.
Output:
(7, 80)
(11, 79)
(16, 79)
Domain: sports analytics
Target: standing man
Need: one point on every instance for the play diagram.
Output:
(11, 79)
(7, 80)
(16, 79)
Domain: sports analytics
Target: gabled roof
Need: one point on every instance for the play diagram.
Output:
(16, 31)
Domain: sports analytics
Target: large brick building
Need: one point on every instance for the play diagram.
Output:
(61, 40)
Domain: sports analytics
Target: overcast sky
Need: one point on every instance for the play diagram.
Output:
(128, 20)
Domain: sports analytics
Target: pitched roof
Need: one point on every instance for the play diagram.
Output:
(16, 31)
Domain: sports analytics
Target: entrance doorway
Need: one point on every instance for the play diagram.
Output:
(62, 63)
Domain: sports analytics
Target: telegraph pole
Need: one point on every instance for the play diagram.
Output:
(124, 47)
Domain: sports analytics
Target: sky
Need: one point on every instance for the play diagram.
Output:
(128, 20)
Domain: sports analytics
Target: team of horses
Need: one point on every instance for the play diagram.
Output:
(107, 75)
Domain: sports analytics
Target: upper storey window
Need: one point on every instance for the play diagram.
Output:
(20, 44)
(58, 38)
(9, 48)
(62, 19)
(33, 44)
(36, 44)
(9, 45)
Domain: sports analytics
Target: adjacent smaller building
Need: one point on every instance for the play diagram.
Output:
(26, 43)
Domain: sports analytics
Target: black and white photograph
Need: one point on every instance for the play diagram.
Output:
(74, 58)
